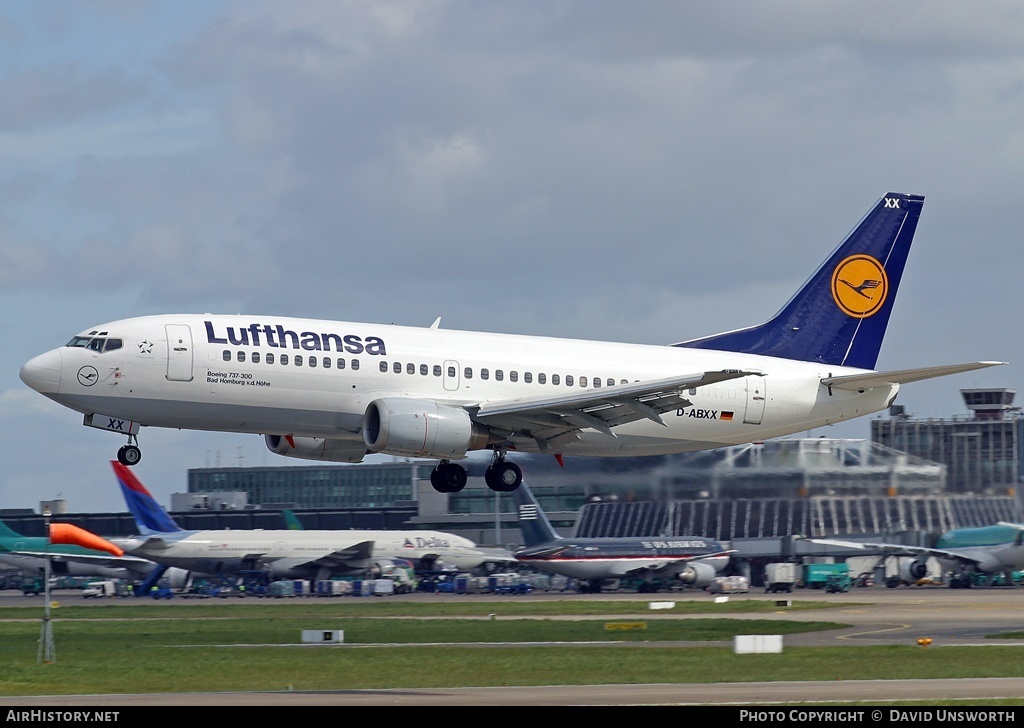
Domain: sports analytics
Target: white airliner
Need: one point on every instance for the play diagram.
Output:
(334, 390)
(289, 553)
(654, 561)
(29, 554)
(987, 550)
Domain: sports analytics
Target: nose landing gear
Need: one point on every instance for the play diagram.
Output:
(130, 454)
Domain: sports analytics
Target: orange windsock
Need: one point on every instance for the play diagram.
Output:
(68, 534)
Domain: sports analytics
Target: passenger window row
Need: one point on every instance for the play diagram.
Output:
(424, 370)
(541, 378)
(297, 360)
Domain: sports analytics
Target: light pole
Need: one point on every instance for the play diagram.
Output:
(497, 519)
(47, 651)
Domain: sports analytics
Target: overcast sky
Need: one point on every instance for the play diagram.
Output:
(634, 171)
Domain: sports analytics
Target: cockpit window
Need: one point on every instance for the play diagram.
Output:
(96, 343)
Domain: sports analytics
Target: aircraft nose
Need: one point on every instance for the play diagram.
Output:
(42, 373)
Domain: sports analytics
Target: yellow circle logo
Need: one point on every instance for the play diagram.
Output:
(860, 286)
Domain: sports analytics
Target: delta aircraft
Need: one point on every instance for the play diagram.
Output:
(657, 561)
(338, 391)
(987, 550)
(286, 553)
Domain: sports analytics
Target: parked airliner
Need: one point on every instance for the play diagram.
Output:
(29, 554)
(656, 561)
(988, 550)
(333, 390)
(286, 553)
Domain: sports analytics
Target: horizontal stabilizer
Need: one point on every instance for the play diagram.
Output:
(867, 380)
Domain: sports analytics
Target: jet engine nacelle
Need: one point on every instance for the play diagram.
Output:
(316, 448)
(416, 428)
(178, 578)
(912, 569)
(698, 574)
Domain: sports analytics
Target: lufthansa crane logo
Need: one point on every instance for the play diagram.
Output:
(88, 376)
(860, 286)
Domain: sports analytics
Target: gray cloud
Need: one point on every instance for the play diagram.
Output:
(650, 172)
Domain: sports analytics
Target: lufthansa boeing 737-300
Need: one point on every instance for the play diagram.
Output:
(337, 391)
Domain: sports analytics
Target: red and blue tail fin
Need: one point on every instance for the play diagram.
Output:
(149, 516)
(840, 314)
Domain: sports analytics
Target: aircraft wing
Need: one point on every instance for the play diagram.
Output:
(356, 556)
(867, 380)
(677, 563)
(502, 556)
(557, 419)
(895, 549)
(98, 559)
(539, 552)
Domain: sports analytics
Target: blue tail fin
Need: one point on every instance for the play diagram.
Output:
(291, 521)
(149, 516)
(840, 315)
(533, 523)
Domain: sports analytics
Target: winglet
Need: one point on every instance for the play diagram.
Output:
(65, 533)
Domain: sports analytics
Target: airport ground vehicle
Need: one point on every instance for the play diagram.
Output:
(728, 585)
(815, 576)
(779, 577)
(837, 582)
(105, 588)
(32, 586)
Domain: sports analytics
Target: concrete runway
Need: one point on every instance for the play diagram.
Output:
(882, 616)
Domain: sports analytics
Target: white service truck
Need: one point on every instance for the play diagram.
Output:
(779, 577)
(106, 588)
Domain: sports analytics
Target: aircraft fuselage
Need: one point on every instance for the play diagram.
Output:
(310, 378)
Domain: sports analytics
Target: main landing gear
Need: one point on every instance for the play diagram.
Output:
(448, 477)
(501, 476)
(130, 454)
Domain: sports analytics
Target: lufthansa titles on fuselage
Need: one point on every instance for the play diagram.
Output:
(276, 336)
